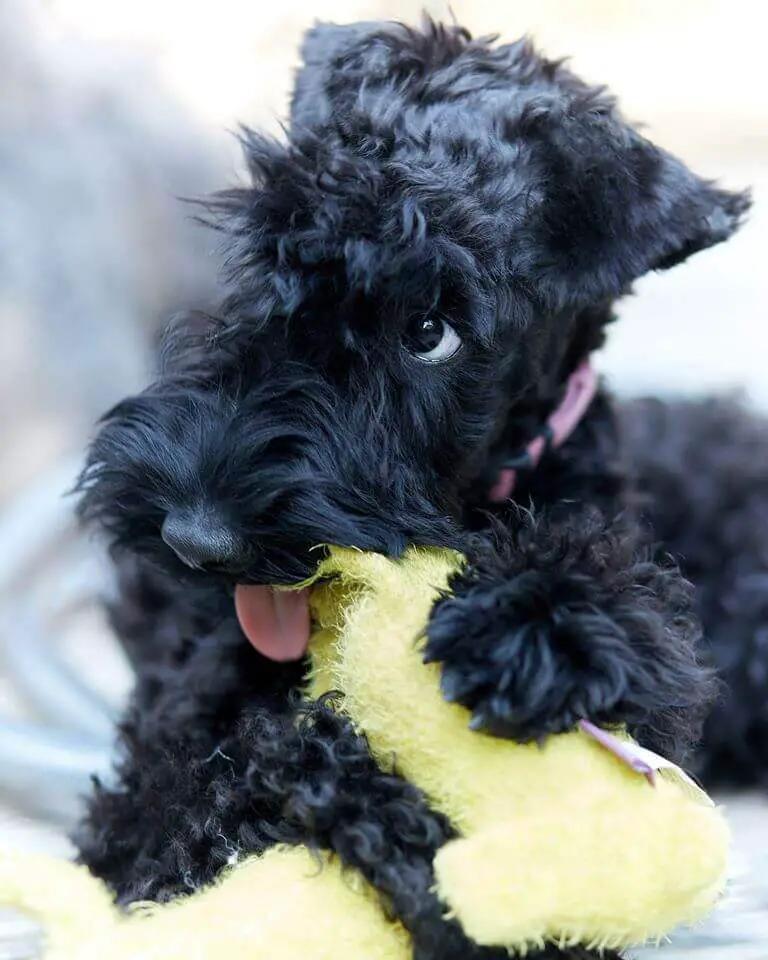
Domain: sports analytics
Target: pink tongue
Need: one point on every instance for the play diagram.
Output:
(276, 622)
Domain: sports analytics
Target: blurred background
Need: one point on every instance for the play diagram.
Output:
(111, 111)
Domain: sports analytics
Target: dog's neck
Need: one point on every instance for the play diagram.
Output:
(549, 420)
(580, 390)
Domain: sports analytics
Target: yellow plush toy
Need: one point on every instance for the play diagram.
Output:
(285, 905)
(564, 843)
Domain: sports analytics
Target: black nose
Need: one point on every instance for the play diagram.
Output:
(201, 539)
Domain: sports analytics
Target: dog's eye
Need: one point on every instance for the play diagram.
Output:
(432, 339)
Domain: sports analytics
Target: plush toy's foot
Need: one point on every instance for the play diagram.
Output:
(283, 905)
(611, 875)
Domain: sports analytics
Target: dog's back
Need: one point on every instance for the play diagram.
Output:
(701, 468)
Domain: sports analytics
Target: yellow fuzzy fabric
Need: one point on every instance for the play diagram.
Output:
(562, 844)
(285, 905)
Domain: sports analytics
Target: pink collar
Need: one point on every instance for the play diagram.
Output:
(580, 390)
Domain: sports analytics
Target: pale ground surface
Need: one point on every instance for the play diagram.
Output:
(694, 72)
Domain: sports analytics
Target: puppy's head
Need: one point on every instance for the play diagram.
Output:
(414, 271)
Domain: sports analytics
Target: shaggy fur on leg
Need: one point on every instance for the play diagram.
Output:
(412, 277)
(551, 625)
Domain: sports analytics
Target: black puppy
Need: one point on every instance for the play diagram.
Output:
(416, 279)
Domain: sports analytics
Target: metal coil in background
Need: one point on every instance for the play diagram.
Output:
(47, 758)
(60, 734)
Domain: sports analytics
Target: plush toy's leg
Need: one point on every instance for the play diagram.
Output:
(556, 877)
(286, 904)
(69, 904)
(552, 623)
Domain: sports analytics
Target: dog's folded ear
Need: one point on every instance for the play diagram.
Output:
(616, 207)
(323, 44)
(583, 204)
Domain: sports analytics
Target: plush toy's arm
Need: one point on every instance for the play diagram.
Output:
(553, 623)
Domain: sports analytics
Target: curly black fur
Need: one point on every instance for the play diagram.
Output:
(702, 480)
(428, 183)
(549, 625)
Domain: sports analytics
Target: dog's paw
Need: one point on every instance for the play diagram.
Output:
(555, 625)
(532, 655)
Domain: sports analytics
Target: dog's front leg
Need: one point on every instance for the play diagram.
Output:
(176, 812)
(551, 623)
(192, 800)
